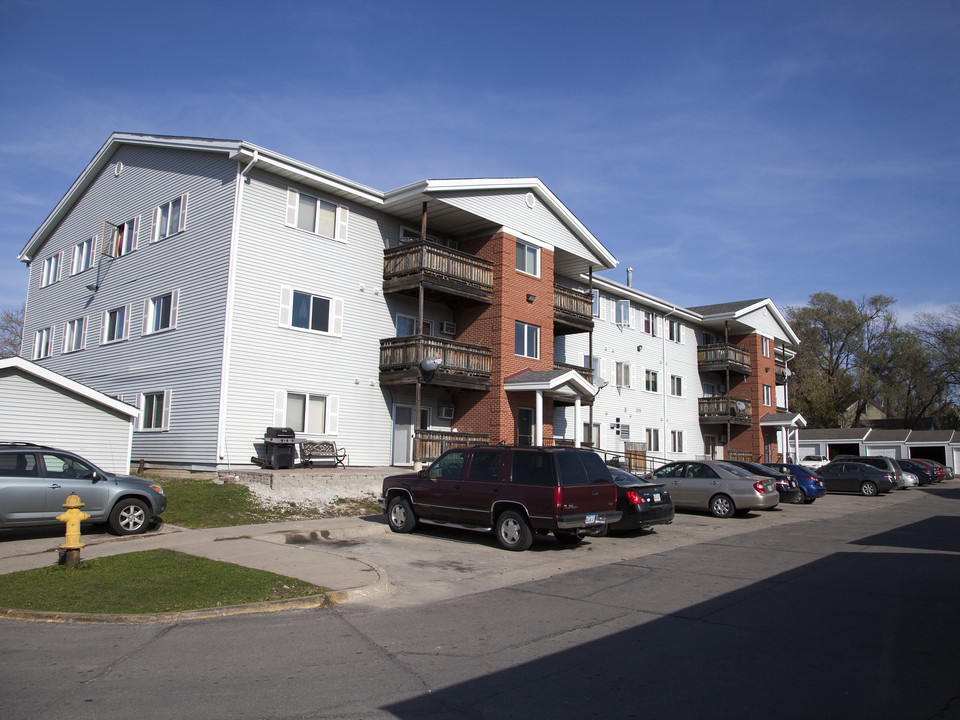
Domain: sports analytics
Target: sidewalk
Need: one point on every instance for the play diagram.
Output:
(297, 548)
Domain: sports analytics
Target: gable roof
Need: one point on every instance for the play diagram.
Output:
(737, 312)
(27, 367)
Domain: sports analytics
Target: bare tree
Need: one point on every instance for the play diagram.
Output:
(11, 331)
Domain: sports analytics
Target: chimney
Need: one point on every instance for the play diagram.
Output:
(629, 277)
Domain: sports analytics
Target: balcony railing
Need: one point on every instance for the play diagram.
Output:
(586, 372)
(780, 372)
(439, 268)
(738, 411)
(461, 364)
(572, 310)
(433, 443)
(723, 356)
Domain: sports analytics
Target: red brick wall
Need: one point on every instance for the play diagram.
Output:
(763, 372)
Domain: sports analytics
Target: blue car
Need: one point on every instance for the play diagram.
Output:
(811, 483)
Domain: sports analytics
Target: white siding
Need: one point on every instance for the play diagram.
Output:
(34, 411)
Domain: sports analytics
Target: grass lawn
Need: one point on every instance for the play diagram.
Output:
(145, 582)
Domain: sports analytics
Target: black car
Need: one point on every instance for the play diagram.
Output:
(925, 474)
(643, 503)
(787, 486)
(849, 476)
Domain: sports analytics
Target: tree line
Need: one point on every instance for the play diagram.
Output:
(854, 352)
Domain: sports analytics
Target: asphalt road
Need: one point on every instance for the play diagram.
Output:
(849, 608)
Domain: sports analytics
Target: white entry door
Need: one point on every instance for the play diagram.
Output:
(402, 434)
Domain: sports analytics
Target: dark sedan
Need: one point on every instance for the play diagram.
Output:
(848, 476)
(787, 486)
(643, 503)
(925, 474)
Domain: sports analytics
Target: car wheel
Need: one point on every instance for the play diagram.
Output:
(568, 538)
(512, 531)
(811, 501)
(868, 488)
(800, 499)
(400, 515)
(721, 506)
(129, 517)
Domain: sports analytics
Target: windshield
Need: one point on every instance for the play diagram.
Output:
(735, 469)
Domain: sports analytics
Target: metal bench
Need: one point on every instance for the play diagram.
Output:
(311, 451)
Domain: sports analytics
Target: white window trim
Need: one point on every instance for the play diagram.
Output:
(527, 325)
(335, 323)
(629, 312)
(651, 434)
(765, 344)
(673, 386)
(158, 213)
(331, 422)
(538, 256)
(48, 274)
(676, 441)
(43, 343)
(134, 224)
(165, 417)
(656, 374)
(341, 218)
(427, 324)
(67, 334)
(105, 324)
(149, 309)
(767, 396)
(628, 368)
(77, 255)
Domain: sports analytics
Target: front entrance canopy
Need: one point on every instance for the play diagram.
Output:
(788, 425)
(563, 385)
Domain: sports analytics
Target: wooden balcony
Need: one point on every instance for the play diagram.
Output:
(586, 372)
(717, 410)
(440, 269)
(433, 443)
(723, 356)
(780, 372)
(572, 311)
(462, 365)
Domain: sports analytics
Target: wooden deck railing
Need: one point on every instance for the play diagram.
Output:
(723, 355)
(586, 372)
(438, 261)
(405, 353)
(573, 302)
(742, 455)
(433, 443)
(733, 407)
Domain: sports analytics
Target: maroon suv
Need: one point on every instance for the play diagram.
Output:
(512, 491)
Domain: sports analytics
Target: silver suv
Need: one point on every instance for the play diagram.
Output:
(35, 481)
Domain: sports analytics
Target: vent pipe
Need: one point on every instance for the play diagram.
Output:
(629, 277)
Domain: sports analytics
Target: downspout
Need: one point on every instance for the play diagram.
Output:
(415, 451)
(663, 364)
(593, 375)
(224, 453)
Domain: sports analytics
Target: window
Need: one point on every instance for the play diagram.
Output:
(674, 331)
(316, 216)
(307, 311)
(765, 346)
(43, 343)
(50, 270)
(155, 410)
(528, 258)
(767, 395)
(407, 325)
(82, 256)
(591, 438)
(125, 238)
(676, 385)
(169, 219)
(653, 440)
(709, 339)
(74, 335)
(649, 323)
(623, 312)
(596, 303)
(623, 374)
(676, 441)
(160, 313)
(527, 340)
(114, 325)
(650, 381)
(307, 413)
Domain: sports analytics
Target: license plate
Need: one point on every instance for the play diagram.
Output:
(656, 497)
(591, 519)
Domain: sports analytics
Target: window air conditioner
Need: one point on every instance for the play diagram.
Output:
(446, 412)
(449, 328)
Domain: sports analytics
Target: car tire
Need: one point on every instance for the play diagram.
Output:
(868, 488)
(512, 531)
(565, 538)
(810, 501)
(722, 506)
(801, 499)
(130, 517)
(400, 515)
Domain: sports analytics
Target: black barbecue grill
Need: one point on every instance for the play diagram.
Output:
(280, 447)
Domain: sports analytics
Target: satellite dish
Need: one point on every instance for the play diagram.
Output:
(430, 365)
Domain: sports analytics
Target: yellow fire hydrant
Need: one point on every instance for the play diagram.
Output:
(72, 516)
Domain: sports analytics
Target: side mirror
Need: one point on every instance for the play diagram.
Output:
(422, 473)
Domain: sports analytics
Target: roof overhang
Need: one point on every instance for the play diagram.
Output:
(641, 298)
(735, 318)
(567, 384)
(48, 376)
(794, 420)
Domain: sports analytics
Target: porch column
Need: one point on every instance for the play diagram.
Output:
(796, 444)
(577, 423)
(538, 421)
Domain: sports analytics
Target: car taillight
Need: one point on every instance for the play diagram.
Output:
(889, 476)
(557, 497)
(634, 497)
(758, 486)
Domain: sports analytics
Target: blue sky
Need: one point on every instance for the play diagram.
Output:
(723, 150)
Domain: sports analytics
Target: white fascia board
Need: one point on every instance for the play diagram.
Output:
(310, 175)
(571, 377)
(529, 239)
(48, 376)
(769, 305)
(99, 161)
(643, 298)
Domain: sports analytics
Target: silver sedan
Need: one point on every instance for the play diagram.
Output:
(716, 486)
